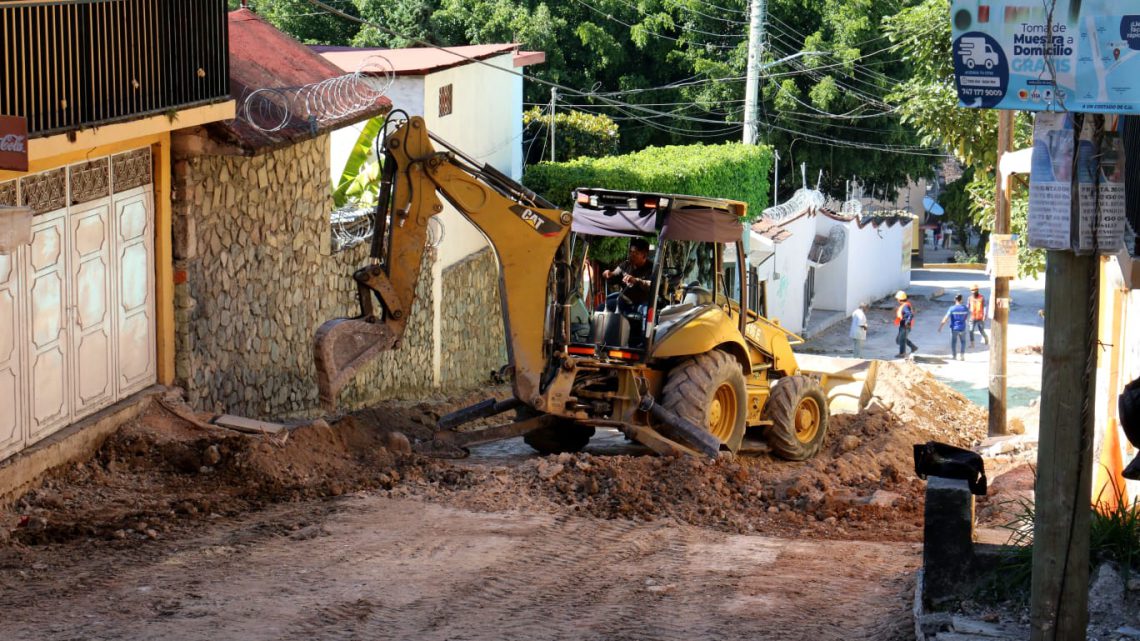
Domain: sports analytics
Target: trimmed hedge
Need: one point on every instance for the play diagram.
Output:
(577, 134)
(731, 170)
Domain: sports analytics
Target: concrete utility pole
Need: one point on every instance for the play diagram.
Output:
(1000, 293)
(553, 105)
(758, 10)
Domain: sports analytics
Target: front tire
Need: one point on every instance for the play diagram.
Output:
(708, 390)
(798, 410)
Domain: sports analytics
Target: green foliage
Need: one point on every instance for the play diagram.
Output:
(1114, 536)
(959, 213)
(928, 102)
(304, 21)
(577, 134)
(732, 170)
(361, 176)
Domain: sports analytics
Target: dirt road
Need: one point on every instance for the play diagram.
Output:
(367, 567)
(180, 530)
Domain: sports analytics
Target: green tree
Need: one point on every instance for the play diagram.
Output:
(958, 207)
(677, 67)
(578, 134)
(304, 21)
(928, 101)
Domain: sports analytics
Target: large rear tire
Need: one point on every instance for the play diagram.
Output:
(798, 410)
(562, 436)
(708, 390)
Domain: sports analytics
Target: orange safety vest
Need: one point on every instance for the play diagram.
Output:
(899, 313)
(978, 307)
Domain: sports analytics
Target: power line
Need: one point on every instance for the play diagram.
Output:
(895, 149)
(630, 109)
(707, 33)
(610, 17)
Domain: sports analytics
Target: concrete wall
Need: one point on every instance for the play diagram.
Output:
(406, 93)
(878, 262)
(786, 293)
(255, 279)
(485, 123)
(874, 263)
(832, 279)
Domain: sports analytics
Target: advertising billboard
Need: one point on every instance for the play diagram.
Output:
(1062, 55)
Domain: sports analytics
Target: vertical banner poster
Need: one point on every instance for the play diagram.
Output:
(1003, 255)
(1097, 157)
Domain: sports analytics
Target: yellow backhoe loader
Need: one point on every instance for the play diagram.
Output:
(682, 365)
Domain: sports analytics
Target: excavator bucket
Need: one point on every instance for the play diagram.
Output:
(849, 382)
(341, 347)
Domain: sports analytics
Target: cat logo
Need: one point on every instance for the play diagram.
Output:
(537, 221)
(532, 218)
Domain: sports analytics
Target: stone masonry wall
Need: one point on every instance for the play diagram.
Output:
(471, 317)
(254, 279)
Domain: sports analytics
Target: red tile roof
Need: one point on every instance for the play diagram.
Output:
(261, 57)
(420, 61)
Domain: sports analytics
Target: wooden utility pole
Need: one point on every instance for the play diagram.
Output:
(1000, 294)
(1059, 596)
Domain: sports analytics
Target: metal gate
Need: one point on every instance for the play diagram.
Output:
(77, 305)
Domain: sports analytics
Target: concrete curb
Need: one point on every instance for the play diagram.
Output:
(78, 441)
(959, 266)
(825, 325)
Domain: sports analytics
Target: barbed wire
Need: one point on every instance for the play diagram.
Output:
(271, 109)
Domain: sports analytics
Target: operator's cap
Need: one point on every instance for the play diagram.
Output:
(974, 287)
(900, 295)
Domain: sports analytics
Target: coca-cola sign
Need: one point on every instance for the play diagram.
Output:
(13, 143)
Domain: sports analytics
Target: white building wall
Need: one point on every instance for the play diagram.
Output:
(485, 123)
(878, 262)
(831, 278)
(406, 93)
(786, 293)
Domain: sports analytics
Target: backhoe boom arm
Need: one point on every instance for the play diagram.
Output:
(525, 232)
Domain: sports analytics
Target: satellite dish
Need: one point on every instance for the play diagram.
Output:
(932, 207)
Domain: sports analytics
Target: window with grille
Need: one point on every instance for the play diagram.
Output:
(445, 100)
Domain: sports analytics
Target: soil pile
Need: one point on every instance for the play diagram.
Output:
(164, 472)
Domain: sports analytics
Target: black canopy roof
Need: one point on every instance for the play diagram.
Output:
(604, 212)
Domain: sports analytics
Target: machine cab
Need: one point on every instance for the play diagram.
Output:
(645, 266)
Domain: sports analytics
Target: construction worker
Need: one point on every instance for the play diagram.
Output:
(904, 318)
(957, 316)
(858, 329)
(977, 315)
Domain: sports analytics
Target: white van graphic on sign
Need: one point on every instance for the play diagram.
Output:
(975, 51)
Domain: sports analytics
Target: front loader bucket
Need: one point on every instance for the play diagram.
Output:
(849, 382)
(341, 347)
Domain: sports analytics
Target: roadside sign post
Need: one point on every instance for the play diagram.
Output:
(997, 416)
(1072, 61)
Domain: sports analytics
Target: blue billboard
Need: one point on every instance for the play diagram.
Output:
(1067, 55)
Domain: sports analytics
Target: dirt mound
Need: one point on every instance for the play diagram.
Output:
(161, 473)
(861, 486)
(164, 472)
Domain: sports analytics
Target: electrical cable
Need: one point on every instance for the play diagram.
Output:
(611, 18)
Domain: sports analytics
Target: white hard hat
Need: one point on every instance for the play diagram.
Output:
(900, 295)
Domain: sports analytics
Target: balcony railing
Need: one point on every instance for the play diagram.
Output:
(72, 64)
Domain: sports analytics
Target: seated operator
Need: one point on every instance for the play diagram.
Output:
(636, 274)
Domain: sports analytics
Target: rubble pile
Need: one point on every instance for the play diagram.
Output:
(165, 472)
